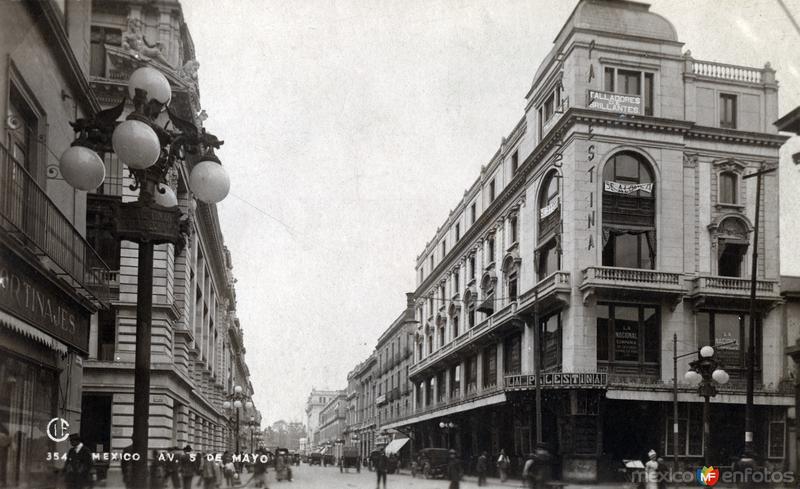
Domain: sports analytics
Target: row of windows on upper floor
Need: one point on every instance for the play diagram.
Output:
(615, 80)
(629, 239)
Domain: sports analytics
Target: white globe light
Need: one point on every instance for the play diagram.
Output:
(237, 404)
(209, 181)
(82, 168)
(693, 377)
(226, 404)
(136, 144)
(237, 389)
(153, 82)
(167, 199)
(720, 376)
(249, 405)
(707, 352)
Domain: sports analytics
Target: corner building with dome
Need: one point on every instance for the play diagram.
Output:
(614, 217)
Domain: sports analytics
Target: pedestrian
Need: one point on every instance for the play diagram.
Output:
(188, 467)
(454, 470)
(483, 462)
(528, 470)
(502, 464)
(157, 471)
(78, 466)
(228, 469)
(651, 470)
(381, 464)
(662, 473)
(173, 467)
(259, 470)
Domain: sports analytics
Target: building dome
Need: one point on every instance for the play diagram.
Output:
(620, 17)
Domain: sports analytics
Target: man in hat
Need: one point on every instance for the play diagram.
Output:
(482, 466)
(454, 471)
(188, 467)
(78, 467)
(651, 470)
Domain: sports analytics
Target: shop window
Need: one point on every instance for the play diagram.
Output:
(727, 111)
(512, 354)
(550, 341)
(728, 188)
(629, 237)
(731, 331)
(776, 433)
(690, 430)
(628, 334)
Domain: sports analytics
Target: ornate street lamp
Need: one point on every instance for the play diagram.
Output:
(447, 426)
(704, 373)
(151, 152)
(235, 401)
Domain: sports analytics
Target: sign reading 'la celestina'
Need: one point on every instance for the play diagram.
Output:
(23, 293)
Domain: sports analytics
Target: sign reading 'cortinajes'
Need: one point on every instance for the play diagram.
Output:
(615, 102)
(24, 294)
(590, 380)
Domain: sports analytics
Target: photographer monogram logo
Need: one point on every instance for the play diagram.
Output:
(58, 429)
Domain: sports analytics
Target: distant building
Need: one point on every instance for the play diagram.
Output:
(314, 404)
(360, 423)
(332, 423)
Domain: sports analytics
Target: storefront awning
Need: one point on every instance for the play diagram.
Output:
(323, 451)
(395, 445)
(31, 332)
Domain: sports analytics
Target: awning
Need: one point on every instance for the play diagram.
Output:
(323, 451)
(395, 445)
(31, 332)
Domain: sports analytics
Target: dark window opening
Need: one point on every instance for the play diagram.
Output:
(727, 111)
(549, 260)
(550, 341)
(731, 259)
(514, 163)
(491, 191)
(732, 330)
(512, 354)
(728, 186)
(628, 334)
(99, 38)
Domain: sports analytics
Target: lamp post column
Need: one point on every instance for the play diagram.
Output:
(141, 373)
(237, 430)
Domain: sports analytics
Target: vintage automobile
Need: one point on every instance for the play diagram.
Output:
(350, 458)
(283, 461)
(432, 462)
(315, 458)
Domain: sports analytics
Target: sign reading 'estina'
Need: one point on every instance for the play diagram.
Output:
(583, 380)
(615, 102)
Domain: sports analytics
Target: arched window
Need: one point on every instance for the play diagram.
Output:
(511, 275)
(548, 252)
(732, 244)
(629, 232)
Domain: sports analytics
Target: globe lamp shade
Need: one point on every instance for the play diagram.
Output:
(82, 168)
(167, 198)
(720, 376)
(226, 404)
(249, 405)
(136, 144)
(237, 389)
(209, 182)
(151, 81)
(693, 377)
(237, 404)
(707, 352)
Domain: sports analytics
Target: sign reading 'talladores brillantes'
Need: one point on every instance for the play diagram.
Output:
(615, 102)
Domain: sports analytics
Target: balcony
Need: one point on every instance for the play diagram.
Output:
(631, 283)
(713, 291)
(721, 71)
(553, 290)
(29, 216)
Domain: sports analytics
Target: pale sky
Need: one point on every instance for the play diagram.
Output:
(352, 128)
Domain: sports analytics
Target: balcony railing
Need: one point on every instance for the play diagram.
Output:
(734, 285)
(711, 69)
(630, 275)
(28, 214)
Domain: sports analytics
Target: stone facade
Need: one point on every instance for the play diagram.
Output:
(614, 217)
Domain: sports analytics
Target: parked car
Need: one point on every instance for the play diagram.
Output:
(328, 459)
(350, 458)
(315, 458)
(433, 462)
